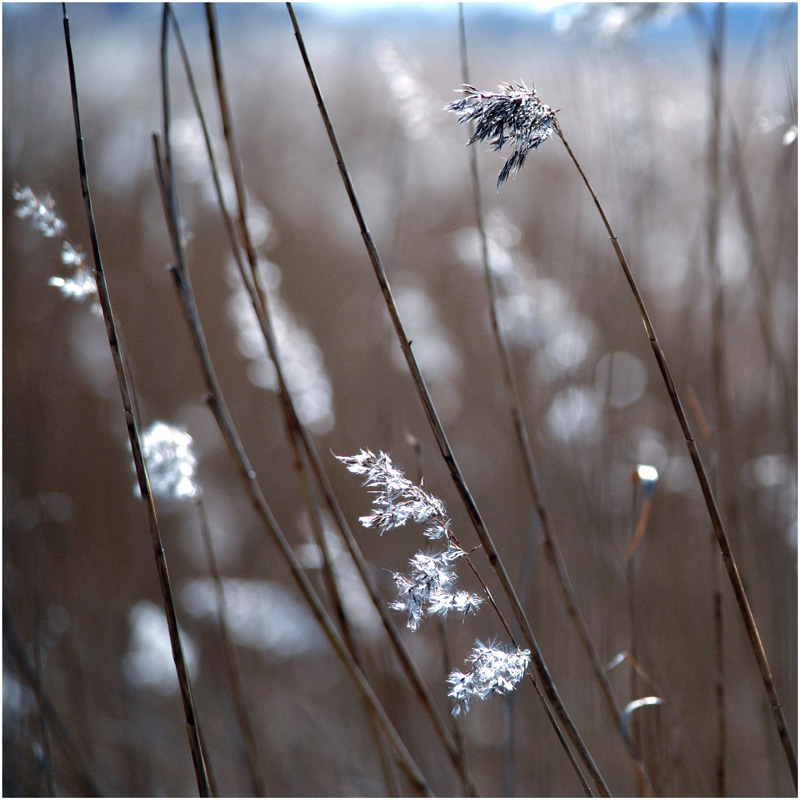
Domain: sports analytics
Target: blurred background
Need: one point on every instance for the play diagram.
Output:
(90, 700)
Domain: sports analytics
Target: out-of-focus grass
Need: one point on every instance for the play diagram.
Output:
(76, 558)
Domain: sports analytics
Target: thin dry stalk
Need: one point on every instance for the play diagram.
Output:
(720, 757)
(447, 662)
(318, 532)
(290, 416)
(719, 372)
(447, 658)
(232, 660)
(628, 560)
(632, 739)
(46, 760)
(708, 495)
(640, 528)
(718, 355)
(549, 686)
(764, 306)
(224, 421)
(552, 549)
(192, 725)
(299, 429)
(720, 767)
(509, 751)
(60, 730)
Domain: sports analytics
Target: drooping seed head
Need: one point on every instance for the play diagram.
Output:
(515, 116)
(39, 210)
(495, 669)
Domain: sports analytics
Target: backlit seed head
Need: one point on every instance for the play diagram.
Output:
(515, 116)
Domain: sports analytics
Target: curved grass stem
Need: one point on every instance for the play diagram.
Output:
(705, 485)
(126, 392)
(550, 541)
(305, 451)
(548, 685)
(227, 429)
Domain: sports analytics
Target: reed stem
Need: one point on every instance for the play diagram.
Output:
(708, 495)
(299, 437)
(552, 549)
(721, 469)
(224, 421)
(549, 686)
(126, 392)
(232, 660)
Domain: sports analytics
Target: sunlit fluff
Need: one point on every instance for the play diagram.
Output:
(429, 588)
(39, 210)
(149, 662)
(78, 282)
(514, 116)
(301, 358)
(260, 614)
(170, 461)
(494, 669)
(356, 600)
(413, 100)
(646, 473)
(397, 499)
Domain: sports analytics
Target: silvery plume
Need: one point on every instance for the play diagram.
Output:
(171, 463)
(396, 499)
(495, 669)
(78, 283)
(41, 211)
(429, 588)
(514, 116)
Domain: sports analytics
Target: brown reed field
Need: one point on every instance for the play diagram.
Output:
(579, 535)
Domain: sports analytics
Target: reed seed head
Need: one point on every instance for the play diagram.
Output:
(397, 499)
(39, 210)
(171, 463)
(78, 283)
(515, 116)
(495, 669)
(428, 589)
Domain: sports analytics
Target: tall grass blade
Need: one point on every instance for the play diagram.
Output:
(548, 684)
(192, 725)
